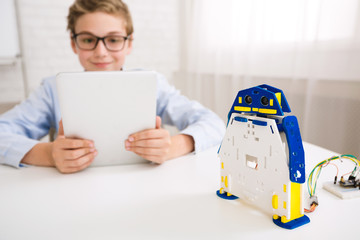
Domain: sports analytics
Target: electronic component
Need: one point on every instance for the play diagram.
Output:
(345, 188)
(314, 201)
(342, 192)
(350, 183)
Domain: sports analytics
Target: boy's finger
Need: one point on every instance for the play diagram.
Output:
(147, 134)
(152, 158)
(149, 151)
(61, 129)
(77, 153)
(78, 163)
(70, 169)
(150, 143)
(158, 122)
(76, 143)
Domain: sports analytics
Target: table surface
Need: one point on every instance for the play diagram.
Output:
(175, 200)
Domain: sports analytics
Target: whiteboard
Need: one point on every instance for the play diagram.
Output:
(9, 42)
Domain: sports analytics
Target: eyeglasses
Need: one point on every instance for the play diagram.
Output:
(87, 41)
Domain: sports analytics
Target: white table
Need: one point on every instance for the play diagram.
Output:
(175, 200)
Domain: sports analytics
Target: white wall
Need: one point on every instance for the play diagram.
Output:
(156, 44)
(46, 46)
(11, 83)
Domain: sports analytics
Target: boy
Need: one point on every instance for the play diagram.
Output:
(101, 36)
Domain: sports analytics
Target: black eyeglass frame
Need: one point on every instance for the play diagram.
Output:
(75, 35)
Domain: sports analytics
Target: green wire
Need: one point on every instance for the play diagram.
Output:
(311, 176)
(317, 177)
(313, 184)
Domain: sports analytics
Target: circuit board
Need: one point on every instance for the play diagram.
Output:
(342, 192)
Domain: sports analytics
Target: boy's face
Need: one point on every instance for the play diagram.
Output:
(101, 25)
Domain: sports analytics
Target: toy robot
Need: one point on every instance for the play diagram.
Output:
(262, 156)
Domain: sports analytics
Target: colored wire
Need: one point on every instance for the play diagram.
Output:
(315, 173)
(312, 208)
(346, 174)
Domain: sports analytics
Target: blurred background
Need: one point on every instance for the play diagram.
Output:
(211, 49)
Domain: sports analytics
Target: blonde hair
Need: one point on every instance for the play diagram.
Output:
(116, 7)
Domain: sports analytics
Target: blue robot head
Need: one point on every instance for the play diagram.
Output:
(263, 100)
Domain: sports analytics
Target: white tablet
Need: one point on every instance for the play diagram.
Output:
(107, 107)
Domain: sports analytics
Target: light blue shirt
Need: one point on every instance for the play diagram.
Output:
(23, 126)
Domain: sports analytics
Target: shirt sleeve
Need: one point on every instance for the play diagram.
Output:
(23, 126)
(190, 117)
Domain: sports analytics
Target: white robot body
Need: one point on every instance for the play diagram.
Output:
(255, 160)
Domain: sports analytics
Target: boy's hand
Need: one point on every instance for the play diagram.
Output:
(72, 155)
(157, 145)
(151, 144)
